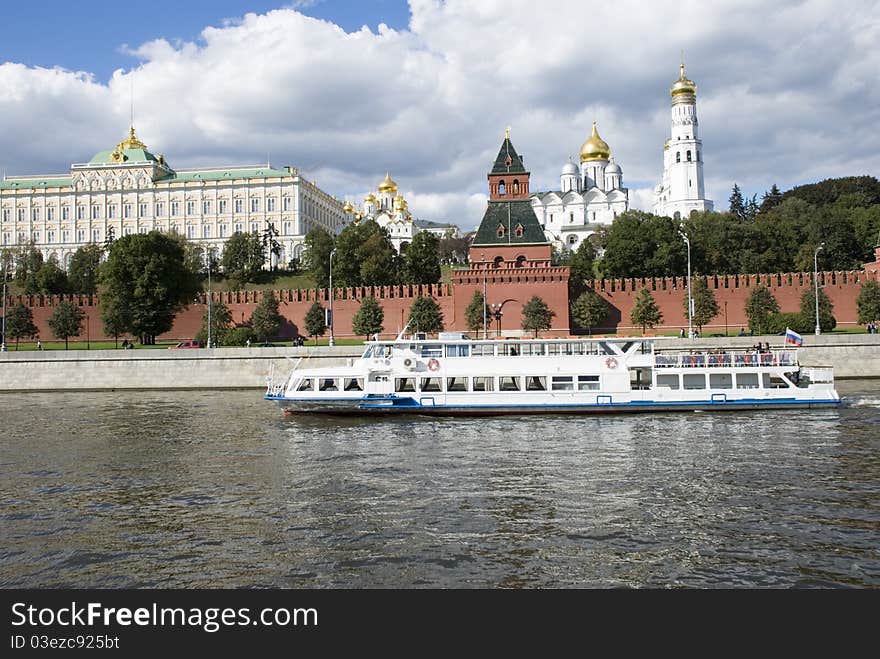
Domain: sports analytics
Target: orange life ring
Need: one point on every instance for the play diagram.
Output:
(433, 364)
(611, 363)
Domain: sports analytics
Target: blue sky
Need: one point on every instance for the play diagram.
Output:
(89, 36)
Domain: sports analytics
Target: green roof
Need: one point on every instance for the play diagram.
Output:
(224, 174)
(509, 214)
(129, 155)
(31, 183)
(508, 161)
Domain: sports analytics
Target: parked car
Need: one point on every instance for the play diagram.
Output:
(187, 344)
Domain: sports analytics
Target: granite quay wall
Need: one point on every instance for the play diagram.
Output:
(852, 356)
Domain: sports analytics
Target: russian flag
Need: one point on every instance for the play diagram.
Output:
(793, 337)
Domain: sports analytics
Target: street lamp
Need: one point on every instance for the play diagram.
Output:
(485, 329)
(816, 283)
(497, 314)
(208, 261)
(690, 299)
(332, 342)
(5, 270)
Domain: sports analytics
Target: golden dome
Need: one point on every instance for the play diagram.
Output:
(347, 207)
(132, 142)
(370, 197)
(683, 85)
(400, 203)
(387, 185)
(595, 148)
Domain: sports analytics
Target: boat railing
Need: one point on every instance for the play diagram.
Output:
(726, 359)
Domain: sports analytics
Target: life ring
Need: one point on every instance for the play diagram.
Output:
(433, 364)
(408, 362)
(611, 363)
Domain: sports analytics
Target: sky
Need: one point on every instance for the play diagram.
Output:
(788, 93)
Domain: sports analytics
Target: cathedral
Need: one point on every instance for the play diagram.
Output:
(390, 211)
(591, 194)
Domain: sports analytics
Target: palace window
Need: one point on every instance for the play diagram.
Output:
(96, 235)
(221, 205)
(65, 236)
(50, 214)
(142, 211)
(80, 235)
(238, 205)
(255, 205)
(206, 231)
(35, 214)
(5, 238)
(160, 209)
(270, 204)
(126, 211)
(175, 208)
(190, 231)
(96, 212)
(286, 203)
(255, 227)
(111, 211)
(35, 236)
(222, 230)
(238, 227)
(207, 207)
(6, 215)
(287, 228)
(21, 214)
(50, 236)
(190, 208)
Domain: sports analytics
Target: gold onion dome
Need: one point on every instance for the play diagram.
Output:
(347, 207)
(595, 148)
(370, 197)
(387, 184)
(400, 203)
(683, 85)
(132, 142)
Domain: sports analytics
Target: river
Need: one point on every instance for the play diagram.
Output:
(205, 489)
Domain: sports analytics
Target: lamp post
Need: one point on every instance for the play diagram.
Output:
(690, 299)
(5, 270)
(332, 342)
(485, 329)
(208, 260)
(725, 318)
(816, 283)
(497, 314)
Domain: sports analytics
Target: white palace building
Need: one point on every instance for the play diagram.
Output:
(130, 190)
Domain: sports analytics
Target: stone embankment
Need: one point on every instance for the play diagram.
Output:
(852, 356)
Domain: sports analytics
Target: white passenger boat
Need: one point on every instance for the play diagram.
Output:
(454, 374)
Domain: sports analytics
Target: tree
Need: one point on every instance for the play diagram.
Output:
(827, 321)
(271, 246)
(369, 318)
(737, 204)
(759, 307)
(221, 322)
(705, 306)
(243, 257)
(536, 315)
(425, 315)
(771, 199)
(454, 249)
(588, 310)
(316, 256)
(645, 312)
(51, 279)
(422, 259)
(147, 280)
(475, 313)
(20, 323)
(83, 272)
(266, 321)
(28, 262)
(316, 321)
(868, 302)
(365, 256)
(114, 319)
(66, 321)
(581, 263)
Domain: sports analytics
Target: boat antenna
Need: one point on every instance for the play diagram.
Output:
(400, 336)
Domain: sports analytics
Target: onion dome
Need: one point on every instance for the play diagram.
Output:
(370, 198)
(569, 168)
(683, 85)
(347, 207)
(399, 203)
(595, 148)
(387, 185)
(612, 168)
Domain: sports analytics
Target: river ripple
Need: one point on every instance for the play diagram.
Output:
(218, 489)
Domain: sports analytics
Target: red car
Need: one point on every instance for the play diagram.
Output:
(186, 344)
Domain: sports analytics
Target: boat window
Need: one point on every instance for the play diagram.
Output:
(562, 383)
(772, 381)
(456, 384)
(512, 350)
(457, 350)
(483, 350)
(508, 383)
(588, 383)
(668, 380)
(368, 352)
(404, 384)
(695, 381)
(432, 350)
(306, 384)
(746, 380)
(354, 384)
(536, 383)
(483, 384)
(327, 384)
(430, 384)
(552, 348)
(532, 349)
(721, 381)
(575, 348)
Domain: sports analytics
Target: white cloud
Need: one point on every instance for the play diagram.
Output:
(787, 94)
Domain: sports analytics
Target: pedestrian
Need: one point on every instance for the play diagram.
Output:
(39, 345)
(249, 342)
(681, 333)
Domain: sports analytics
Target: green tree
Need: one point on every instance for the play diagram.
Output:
(771, 199)
(221, 322)
(266, 321)
(868, 302)
(147, 280)
(536, 315)
(66, 321)
(588, 310)
(422, 259)
(114, 319)
(20, 323)
(760, 306)
(705, 305)
(28, 262)
(315, 321)
(827, 321)
(365, 256)
(581, 264)
(51, 279)
(425, 315)
(243, 257)
(737, 204)
(645, 312)
(369, 318)
(638, 244)
(316, 256)
(271, 246)
(475, 313)
(83, 272)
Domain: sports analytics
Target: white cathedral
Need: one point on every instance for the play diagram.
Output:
(390, 211)
(592, 193)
